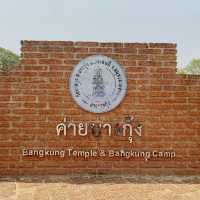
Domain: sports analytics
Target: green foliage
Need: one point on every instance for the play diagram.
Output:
(192, 68)
(8, 59)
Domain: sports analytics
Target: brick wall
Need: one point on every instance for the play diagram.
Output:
(34, 98)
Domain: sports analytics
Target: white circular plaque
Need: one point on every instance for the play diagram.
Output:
(98, 84)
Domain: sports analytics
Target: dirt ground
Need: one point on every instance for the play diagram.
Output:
(100, 187)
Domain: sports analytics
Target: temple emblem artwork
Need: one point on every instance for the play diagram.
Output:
(98, 84)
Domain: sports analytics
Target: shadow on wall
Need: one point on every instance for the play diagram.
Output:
(110, 179)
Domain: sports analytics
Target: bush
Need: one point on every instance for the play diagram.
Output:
(8, 59)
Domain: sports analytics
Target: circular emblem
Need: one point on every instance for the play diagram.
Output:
(98, 84)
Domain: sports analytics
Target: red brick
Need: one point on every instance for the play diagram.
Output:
(100, 50)
(76, 49)
(50, 61)
(149, 63)
(86, 44)
(50, 74)
(24, 111)
(5, 98)
(162, 45)
(136, 45)
(125, 50)
(34, 105)
(149, 51)
(71, 62)
(170, 51)
(9, 118)
(35, 68)
(35, 55)
(29, 49)
(23, 98)
(29, 61)
(61, 55)
(136, 57)
(164, 57)
(50, 49)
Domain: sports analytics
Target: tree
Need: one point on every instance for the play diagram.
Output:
(192, 68)
(8, 59)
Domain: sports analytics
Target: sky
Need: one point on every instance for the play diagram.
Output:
(176, 21)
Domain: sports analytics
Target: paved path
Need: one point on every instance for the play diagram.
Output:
(99, 188)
